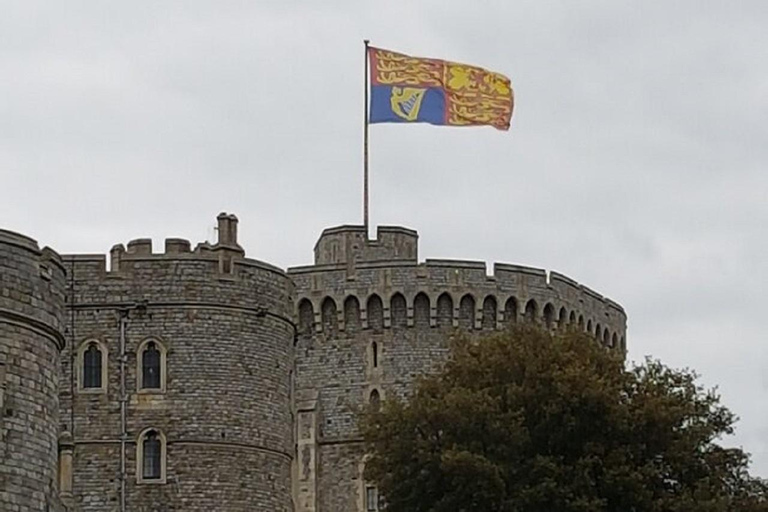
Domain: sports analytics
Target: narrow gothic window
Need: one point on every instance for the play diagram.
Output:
(375, 350)
(151, 451)
(375, 399)
(92, 367)
(150, 366)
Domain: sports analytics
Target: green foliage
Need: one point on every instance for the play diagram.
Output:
(526, 421)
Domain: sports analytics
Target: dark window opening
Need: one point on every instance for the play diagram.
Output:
(375, 352)
(375, 400)
(150, 367)
(92, 367)
(531, 311)
(152, 457)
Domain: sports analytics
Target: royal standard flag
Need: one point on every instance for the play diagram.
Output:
(407, 89)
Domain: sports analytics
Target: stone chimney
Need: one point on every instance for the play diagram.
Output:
(227, 230)
(226, 245)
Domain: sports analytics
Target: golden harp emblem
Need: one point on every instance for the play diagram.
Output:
(406, 102)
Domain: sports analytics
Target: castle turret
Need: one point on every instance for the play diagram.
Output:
(31, 326)
(372, 318)
(193, 411)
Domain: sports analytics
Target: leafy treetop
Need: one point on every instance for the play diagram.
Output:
(528, 421)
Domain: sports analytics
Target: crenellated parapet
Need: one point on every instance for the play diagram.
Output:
(210, 273)
(455, 290)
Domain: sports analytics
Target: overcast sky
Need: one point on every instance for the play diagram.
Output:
(636, 160)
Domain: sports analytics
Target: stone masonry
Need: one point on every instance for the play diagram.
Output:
(263, 369)
(31, 338)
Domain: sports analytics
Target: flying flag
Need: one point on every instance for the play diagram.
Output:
(407, 89)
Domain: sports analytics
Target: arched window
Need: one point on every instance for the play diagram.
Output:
(399, 311)
(375, 313)
(375, 399)
(444, 310)
(489, 312)
(330, 318)
(549, 315)
(151, 369)
(467, 312)
(510, 311)
(572, 318)
(606, 338)
(150, 457)
(562, 319)
(531, 311)
(589, 326)
(150, 366)
(598, 332)
(581, 322)
(352, 313)
(614, 341)
(92, 367)
(421, 310)
(306, 317)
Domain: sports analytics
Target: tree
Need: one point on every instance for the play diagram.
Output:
(528, 421)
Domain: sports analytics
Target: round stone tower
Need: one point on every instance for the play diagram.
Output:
(31, 324)
(372, 318)
(214, 403)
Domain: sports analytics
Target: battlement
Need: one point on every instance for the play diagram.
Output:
(46, 255)
(348, 244)
(210, 273)
(222, 258)
(511, 293)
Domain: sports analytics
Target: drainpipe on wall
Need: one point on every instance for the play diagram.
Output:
(123, 401)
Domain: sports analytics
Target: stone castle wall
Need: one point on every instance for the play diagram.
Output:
(265, 370)
(371, 326)
(31, 325)
(226, 410)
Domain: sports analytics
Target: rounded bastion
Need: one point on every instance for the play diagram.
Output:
(223, 409)
(372, 318)
(31, 339)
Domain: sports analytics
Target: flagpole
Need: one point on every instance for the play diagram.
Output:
(365, 144)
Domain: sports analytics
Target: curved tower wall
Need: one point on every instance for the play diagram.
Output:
(355, 298)
(31, 324)
(225, 412)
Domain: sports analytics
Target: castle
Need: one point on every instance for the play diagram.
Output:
(202, 380)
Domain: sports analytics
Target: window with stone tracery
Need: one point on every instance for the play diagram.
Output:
(151, 457)
(151, 367)
(92, 367)
(151, 466)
